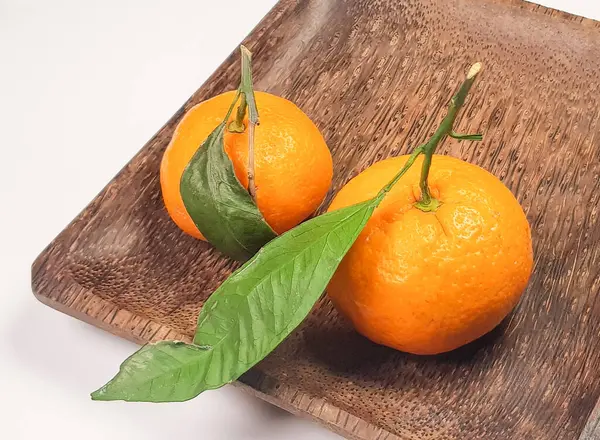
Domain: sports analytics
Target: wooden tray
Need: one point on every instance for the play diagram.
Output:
(376, 76)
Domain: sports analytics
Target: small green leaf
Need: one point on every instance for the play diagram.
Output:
(162, 372)
(219, 205)
(248, 315)
(466, 137)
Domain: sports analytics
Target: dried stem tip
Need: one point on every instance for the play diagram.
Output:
(474, 70)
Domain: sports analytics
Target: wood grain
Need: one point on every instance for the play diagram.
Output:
(375, 76)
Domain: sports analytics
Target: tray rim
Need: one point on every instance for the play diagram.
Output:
(49, 286)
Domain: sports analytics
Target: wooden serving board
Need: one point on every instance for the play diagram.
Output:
(375, 76)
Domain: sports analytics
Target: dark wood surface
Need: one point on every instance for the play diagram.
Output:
(375, 76)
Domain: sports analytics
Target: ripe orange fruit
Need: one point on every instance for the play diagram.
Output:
(293, 166)
(429, 282)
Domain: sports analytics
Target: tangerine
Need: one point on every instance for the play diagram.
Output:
(429, 282)
(293, 165)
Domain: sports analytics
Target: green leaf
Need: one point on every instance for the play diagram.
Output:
(264, 300)
(219, 205)
(162, 372)
(466, 137)
(248, 315)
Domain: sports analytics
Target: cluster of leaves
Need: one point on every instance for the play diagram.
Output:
(262, 302)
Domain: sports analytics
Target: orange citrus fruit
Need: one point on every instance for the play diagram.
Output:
(293, 166)
(429, 282)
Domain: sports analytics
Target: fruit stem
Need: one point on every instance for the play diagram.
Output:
(411, 159)
(427, 202)
(251, 179)
(231, 107)
(237, 125)
(248, 101)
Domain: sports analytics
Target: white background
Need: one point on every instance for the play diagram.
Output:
(83, 85)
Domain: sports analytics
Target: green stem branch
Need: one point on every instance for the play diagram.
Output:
(251, 178)
(237, 125)
(248, 101)
(427, 202)
(411, 159)
(230, 110)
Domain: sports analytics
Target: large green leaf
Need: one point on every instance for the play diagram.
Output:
(219, 205)
(248, 315)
